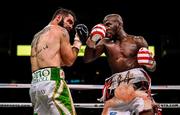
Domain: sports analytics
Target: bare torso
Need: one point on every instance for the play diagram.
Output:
(122, 53)
(45, 50)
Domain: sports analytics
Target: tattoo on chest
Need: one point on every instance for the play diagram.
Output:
(36, 39)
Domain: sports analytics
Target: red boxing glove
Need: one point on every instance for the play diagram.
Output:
(98, 32)
(145, 57)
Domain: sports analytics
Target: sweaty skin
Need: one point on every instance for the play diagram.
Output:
(51, 46)
(51, 50)
(121, 50)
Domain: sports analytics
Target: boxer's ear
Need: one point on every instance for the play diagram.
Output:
(58, 17)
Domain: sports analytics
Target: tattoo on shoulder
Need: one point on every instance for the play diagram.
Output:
(64, 32)
(36, 39)
(38, 35)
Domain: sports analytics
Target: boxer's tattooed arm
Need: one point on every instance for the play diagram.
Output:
(64, 32)
(36, 39)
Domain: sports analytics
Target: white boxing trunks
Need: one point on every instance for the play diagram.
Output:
(50, 94)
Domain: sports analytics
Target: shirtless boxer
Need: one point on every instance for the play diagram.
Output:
(128, 89)
(50, 51)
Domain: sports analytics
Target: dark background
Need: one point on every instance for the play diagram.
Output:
(157, 21)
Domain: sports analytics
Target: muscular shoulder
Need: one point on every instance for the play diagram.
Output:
(59, 29)
(140, 40)
(64, 33)
(60, 32)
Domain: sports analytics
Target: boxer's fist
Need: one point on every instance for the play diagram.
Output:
(98, 32)
(145, 57)
(82, 31)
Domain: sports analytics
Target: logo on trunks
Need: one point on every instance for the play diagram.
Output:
(127, 78)
(45, 72)
(41, 75)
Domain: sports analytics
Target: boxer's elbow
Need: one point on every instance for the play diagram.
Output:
(69, 61)
(68, 64)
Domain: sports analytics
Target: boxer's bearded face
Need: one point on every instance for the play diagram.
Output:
(63, 23)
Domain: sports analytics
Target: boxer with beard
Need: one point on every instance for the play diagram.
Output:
(51, 50)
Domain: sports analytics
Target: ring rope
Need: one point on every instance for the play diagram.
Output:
(78, 86)
(85, 105)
